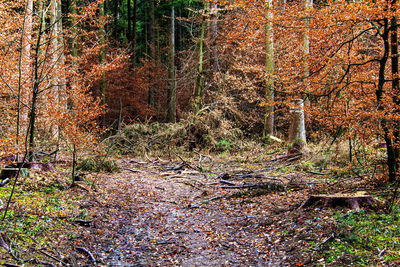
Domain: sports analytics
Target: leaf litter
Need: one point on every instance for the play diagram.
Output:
(160, 213)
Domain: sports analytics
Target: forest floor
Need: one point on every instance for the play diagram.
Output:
(201, 212)
(159, 213)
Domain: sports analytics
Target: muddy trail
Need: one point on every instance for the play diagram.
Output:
(159, 213)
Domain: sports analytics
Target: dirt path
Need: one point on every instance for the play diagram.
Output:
(159, 214)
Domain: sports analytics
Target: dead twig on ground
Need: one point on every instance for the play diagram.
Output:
(87, 252)
(198, 204)
(51, 257)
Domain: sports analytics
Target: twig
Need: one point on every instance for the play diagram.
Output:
(82, 187)
(222, 181)
(318, 173)
(205, 156)
(198, 204)
(52, 257)
(4, 182)
(239, 186)
(85, 223)
(326, 240)
(84, 250)
(381, 252)
(132, 170)
(38, 262)
(3, 244)
(185, 162)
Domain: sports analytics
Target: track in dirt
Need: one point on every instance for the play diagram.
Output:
(163, 213)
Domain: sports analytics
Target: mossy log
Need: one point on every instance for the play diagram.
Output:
(353, 201)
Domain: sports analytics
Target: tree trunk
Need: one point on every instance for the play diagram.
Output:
(26, 82)
(297, 132)
(73, 40)
(54, 58)
(134, 54)
(129, 31)
(269, 69)
(395, 85)
(200, 67)
(213, 36)
(35, 91)
(391, 155)
(171, 94)
(116, 18)
(103, 55)
(152, 49)
(24, 65)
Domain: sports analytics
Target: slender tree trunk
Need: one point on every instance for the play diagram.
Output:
(103, 55)
(129, 32)
(134, 54)
(61, 47)
(214, 36)
(55, 90)
(269, 69)
(61, 88)
(200, 67)
(35, 93)
(152, 43)
(116, 18)
(23, 60)
(171, 94)
(73, 40)
(26, 83)
(395, 84)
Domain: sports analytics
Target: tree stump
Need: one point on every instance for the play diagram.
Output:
(353, 200)
(12, 173)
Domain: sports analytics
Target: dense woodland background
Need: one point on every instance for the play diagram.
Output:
(71, 69)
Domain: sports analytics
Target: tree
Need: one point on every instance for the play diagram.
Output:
(269, 69)
(171, 93)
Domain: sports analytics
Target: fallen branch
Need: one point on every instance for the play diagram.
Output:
(326, 240)
(131, 170)
(81, 187)
(84, 223)
(51, 257)
(38, 262)
(3, 244)
(318, 173)
(222, 181)
(239, 186)
(87, 252)
(381, 252)
(4, 182)
(185, 162)
(198, 204)
(265, 185)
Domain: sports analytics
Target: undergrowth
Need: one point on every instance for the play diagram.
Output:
(39, 218)
(98, 164)
(364, 239)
